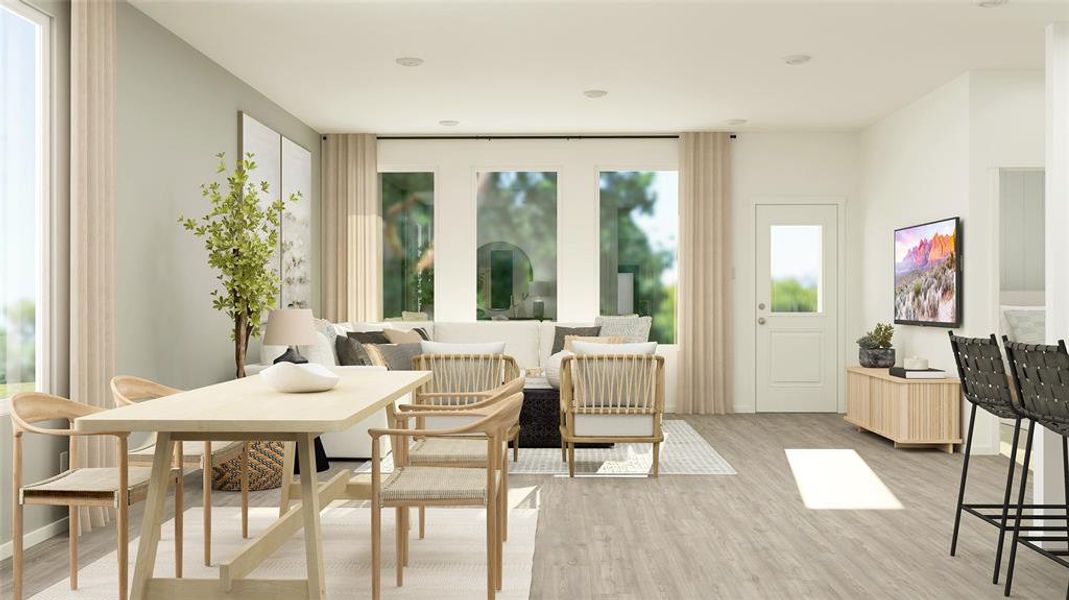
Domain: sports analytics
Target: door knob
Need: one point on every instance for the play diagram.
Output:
(760, 320)
(761, 306)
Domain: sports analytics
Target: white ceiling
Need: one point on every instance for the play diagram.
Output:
(508, 67)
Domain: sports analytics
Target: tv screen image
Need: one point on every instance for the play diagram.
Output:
(928, 274)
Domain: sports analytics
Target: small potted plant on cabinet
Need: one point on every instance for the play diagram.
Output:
(874, 348)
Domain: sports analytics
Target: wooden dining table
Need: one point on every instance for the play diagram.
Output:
(247, 409)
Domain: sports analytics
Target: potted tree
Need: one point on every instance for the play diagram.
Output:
(874, 348)
(240, 233)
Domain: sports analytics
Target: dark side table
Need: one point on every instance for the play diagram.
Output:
(540, 418)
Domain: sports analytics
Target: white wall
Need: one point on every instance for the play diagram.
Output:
(938, 157)
(787, 168)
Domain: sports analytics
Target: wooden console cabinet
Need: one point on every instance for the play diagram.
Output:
(909, 412)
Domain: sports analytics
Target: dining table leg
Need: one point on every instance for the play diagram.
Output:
(288, 450)
(313, 539)
(150, 523)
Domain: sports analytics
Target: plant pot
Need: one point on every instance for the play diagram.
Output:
(877, 358)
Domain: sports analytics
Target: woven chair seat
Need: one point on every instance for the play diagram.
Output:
(192, 453)
(422, 484)
(101, 481)
(445, 451)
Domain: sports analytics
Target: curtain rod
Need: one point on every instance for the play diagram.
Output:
(532, 137)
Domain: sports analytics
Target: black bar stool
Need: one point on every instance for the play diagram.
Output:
(1041, 380)
(985, 384)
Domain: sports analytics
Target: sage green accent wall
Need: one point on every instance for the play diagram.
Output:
(177, 109)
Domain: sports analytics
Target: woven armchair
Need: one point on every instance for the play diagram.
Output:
(464, 379)
(127, 390)
(111, 487)
(611, 398)
(425, 485)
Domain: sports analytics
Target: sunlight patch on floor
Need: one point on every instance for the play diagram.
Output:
(838, 479)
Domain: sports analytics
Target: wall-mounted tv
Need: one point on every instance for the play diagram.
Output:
(928, 274)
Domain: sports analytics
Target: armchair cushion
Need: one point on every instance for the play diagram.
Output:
(581, 348)
(614, 425)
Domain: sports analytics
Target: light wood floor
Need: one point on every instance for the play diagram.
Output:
(743, 536)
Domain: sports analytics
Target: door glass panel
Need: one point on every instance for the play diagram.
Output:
(517, 245)
(797, 259)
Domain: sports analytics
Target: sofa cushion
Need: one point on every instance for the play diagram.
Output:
(546, 337)
(395, 357)
(632, 327)
(607, 339)
(462, 348)
(552, 367)
(560, 332)
(405, 336)
(520, 337)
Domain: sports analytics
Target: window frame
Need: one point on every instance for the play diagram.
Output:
(44, 251)
(648, 166)
(435, 178)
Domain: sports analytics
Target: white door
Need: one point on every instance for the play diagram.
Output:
(797, 312)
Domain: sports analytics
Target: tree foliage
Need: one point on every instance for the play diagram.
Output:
(240, 233)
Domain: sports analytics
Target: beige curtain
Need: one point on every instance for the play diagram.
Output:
(704, 274)
(92, 221)
(352, 229)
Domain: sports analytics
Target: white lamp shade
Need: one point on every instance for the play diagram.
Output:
(290, 327)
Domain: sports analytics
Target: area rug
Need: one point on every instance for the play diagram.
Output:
(450, 563)
(684, 452)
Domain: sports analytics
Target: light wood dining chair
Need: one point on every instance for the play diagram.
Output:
(418, 485)
(611, 398)
(450, 452)
(110, 487)
(463, 379)
(128, 390)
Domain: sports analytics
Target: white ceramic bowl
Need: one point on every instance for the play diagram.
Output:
(298, 379)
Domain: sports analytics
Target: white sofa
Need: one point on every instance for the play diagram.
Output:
(529, 342)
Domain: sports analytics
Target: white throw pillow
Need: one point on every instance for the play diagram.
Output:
(290, 378)
(632, 327)
(552, 367)
(594, 348)
(450, 348)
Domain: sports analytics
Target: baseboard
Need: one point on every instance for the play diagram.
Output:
(35, 537)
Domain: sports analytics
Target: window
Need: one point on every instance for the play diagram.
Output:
(407, 245)
(797, 252)
(24, 104)
(639, 240)
(516, 257)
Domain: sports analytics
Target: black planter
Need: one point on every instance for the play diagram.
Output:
(876, 358)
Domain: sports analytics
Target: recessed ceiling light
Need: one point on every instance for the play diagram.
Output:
(409, 61)
(797, 59)
(449, 123)
(735, 122)
(595, 93)
(990, 3)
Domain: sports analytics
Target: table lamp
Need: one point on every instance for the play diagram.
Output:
(290, 327)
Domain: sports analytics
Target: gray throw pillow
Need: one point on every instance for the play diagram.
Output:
(634, 329)
(350, 347)
(559, 333)
(399, 357)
